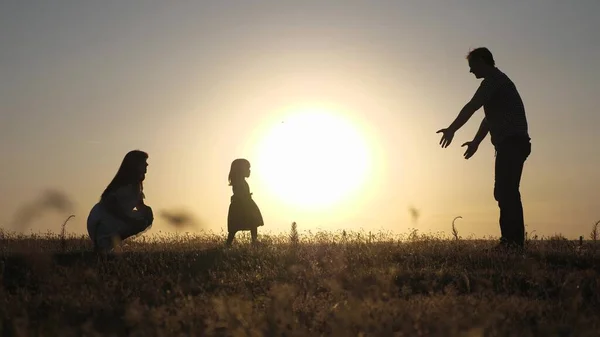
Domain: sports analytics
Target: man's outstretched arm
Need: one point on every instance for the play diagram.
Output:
(464, 115)
(483, 94)
(484, 129)
(473, 145)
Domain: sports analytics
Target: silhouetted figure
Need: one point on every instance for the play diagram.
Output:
(121, 212)
(243, 213)
(506, 122)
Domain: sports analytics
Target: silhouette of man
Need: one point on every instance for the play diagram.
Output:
(506, 122)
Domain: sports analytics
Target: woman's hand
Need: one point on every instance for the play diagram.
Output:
(111, 205)
(146, 213)
(150, 215)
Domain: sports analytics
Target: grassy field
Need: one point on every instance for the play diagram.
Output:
(322, 284)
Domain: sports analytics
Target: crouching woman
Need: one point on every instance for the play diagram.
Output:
(121, 212)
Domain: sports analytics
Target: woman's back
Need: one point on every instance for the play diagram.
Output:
(127, 197)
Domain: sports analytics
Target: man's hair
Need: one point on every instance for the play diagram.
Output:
(483, 54)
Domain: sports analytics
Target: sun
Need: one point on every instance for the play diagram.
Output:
(312, 159)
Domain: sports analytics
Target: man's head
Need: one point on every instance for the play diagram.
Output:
(481, 62)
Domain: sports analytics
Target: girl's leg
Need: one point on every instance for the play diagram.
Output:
(254, 234)
(230, 238)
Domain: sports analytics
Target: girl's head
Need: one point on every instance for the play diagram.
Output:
(240, 169)
(132, 171)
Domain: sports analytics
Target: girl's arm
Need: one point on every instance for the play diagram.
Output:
(245, 189)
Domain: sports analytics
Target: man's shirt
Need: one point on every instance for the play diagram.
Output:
(503, 107)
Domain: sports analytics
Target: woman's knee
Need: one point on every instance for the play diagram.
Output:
(133, 229)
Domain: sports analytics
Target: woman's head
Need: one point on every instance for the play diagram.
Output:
(240, 169)
(132, 171)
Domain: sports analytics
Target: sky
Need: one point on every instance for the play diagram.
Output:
(197, 84)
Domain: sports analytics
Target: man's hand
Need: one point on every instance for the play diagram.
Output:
(472, 147)
(447, 136)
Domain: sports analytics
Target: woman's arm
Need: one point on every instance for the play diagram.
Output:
(121, 202)
(145, 210)
(111, 205)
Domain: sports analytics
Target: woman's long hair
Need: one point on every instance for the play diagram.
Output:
(237, 170)
(128, 173)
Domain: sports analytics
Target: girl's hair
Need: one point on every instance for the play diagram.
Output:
(238, 168)
(128, 173)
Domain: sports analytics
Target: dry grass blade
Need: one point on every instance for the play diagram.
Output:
(454, 230)
(594, 233)
(63, 233)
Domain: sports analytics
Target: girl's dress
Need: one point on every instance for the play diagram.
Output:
(243, 213)
(103, 227)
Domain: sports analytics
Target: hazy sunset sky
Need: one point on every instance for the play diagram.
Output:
(197, 84)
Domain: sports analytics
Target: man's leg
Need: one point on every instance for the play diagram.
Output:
(500, 178)
(509, 167)
(230, 238)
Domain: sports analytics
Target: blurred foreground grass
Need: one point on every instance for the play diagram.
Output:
(326, 284)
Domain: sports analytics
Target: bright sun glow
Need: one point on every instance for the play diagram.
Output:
(313, 159)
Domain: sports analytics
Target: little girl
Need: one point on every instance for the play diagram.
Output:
(243, 213)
